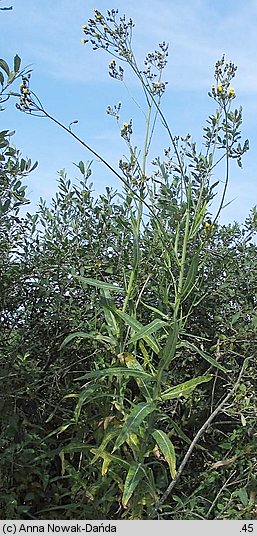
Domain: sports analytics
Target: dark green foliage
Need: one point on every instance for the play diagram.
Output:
(47, 450)
(128, 339)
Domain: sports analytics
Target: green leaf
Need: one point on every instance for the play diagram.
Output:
(71, 336)
(155, 310)
(137, 326)
(86, 394)
(167, 449)
(132, 363)
(34, 166)
(184, 389)
(190, 281)
(169, 350)
(117, 371)
(107, 438)
(4, 66)
(83, 335)
(154, 326)
(81, 166)
(134, 475)
(243, 496)
(16, 63)
(99, 284)
(111, 458)
(112, 325)
(205, 356)
(135, 418)
(11, 77)
(70, 395)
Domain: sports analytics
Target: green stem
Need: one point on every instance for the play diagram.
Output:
(139, 214)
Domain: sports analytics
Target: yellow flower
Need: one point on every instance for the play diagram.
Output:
(84, 27)
(83, 41)
(98, 15)
(219, 89)
(125, 125)
(105, 27)
(231, 92)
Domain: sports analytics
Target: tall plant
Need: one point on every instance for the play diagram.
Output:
(134, 447)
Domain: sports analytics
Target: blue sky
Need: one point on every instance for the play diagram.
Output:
(73, 83)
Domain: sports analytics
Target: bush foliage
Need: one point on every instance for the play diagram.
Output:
(128, 322)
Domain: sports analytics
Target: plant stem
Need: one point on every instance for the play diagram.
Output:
(195, 441)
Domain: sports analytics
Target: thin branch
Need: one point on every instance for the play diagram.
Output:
(195, 441)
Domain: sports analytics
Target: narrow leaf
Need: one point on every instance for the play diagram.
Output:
(4, 66)
(205, 356)
(137, 326)
(86, 394)
(169, 350)
(184, 389)
(136, 417)
(133, 363)
(16, 63)
(134, 475)
(107, 438)
(154, 326)
(117, 371)
(190, 281)
(167, 449)
(71, 336)
(99, 284)
(112, 325)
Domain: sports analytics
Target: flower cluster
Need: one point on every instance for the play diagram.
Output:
(155, 63)
(115, 71)
(114, 110)
(224, 72)
(126, 131)
(108, 33)
(25, 98)
(221, 92)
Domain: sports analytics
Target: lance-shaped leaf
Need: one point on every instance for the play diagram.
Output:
(109, 458)
(134, 475)
(4, 66)
(167, 449)
(169, 350)
(117, 371)
(99, 284)
(107, 438)
(86, 395)
(205, 356)
(16, 63)
(137, 326)
(190, 280)
(132, 363)
(154, 326)
(112, 325)
(134, 420)
(184, 389)
(83, 335)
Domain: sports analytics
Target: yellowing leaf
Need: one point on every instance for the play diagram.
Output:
(167, 449)
(134, 475)
(223, 463)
